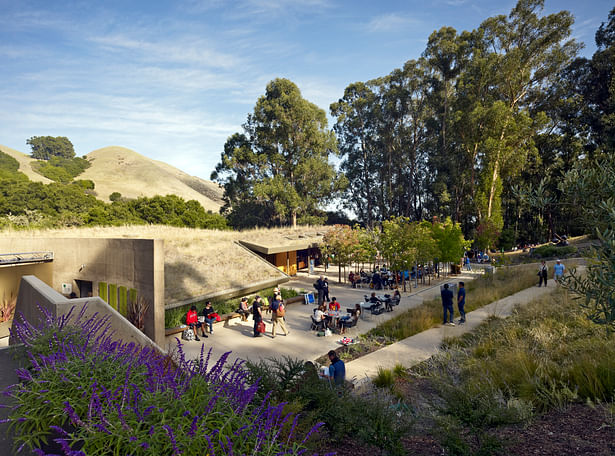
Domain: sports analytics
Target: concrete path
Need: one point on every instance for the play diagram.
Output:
(237, 336)
(415, 349)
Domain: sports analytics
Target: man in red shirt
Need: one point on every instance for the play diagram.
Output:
(334, 305)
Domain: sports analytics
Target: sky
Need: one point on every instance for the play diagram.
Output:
(172, 80)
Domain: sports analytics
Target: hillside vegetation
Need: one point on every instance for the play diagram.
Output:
(117, 169)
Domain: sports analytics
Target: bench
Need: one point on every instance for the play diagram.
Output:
(179, 329)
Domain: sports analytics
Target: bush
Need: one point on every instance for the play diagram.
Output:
(553, 251)
(91, 393)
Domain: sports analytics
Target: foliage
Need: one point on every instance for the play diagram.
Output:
(541, 357)
(95, 393)
(137, 308)
(487, 234)
(115, 196)
(553, 251)
(340, 243)
(71, 205)
(61, 169)
(7, 307)
(450, 241)
(46, 147)
(371, 418)
(280, 162)
(9, 168)
(595, 289)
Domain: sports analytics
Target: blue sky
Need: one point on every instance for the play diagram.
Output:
(172, 80)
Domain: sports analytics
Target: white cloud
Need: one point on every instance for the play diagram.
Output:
(393, 22)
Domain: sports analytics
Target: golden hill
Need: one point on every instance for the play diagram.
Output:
(118, 169)
(25, 164)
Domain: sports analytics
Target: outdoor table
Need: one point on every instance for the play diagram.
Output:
(334, 316)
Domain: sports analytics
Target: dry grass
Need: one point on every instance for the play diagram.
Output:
(25, 164)
(197, 262)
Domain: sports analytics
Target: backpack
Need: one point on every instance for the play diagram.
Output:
(281, 311)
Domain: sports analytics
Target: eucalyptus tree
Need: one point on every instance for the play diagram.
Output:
(279, 167)
(528, 53)
(357, 113)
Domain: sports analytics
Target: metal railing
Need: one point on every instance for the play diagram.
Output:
(26, 257)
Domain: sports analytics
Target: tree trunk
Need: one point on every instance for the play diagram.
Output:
(294, 218)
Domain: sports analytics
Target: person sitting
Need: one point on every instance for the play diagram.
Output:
(207, 311)
(244, 309)
(374, 299)
(350, 320)
(334, 305)
(192, 320)
(337, 370)
(319, 314)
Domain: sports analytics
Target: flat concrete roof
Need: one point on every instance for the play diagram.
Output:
(285, 244)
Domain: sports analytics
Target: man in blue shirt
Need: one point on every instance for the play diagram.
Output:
(447, 305)
(558, 270)
(337, 370)
(461, 302)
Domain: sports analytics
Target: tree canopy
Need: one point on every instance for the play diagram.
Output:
(45, 147)
(278, 168)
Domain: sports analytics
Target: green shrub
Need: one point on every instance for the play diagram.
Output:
(553, 251)
(384, 378)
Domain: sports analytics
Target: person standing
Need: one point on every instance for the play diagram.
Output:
(468, 265)
(542, 273)
(337, 369)
(325, 291)
(447, 305)
(277, 315)
(319, 286)
(461, 302)
(257, 315)
(558, 271)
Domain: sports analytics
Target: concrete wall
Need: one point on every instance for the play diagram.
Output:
(10, 276)
(133, 263)
(34, 293)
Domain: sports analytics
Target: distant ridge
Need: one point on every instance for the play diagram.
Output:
(118, 169)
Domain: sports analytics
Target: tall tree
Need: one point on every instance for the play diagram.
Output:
(280, 162)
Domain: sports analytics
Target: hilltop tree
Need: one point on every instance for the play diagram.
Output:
(280, 163)
(45, 147)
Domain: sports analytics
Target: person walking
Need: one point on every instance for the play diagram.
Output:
(461, 302)
(257, 315)
(558, 271)
(447, 305)
(325, 289)
(468, 265)
(542, 273)
(277, 315)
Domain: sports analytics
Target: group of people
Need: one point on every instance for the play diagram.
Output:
(276, 308)
(321, 316)
(543, 271)
(447, 304)
(322, 289)
(207, 318)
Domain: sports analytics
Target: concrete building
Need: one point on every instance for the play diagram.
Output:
(116, 270)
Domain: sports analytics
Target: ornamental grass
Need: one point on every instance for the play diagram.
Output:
(86, 393)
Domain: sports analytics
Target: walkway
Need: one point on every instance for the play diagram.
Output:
(415, 349)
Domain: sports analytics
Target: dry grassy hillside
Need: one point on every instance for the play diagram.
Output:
(197, 262)
(117, 169)
(25, 164)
